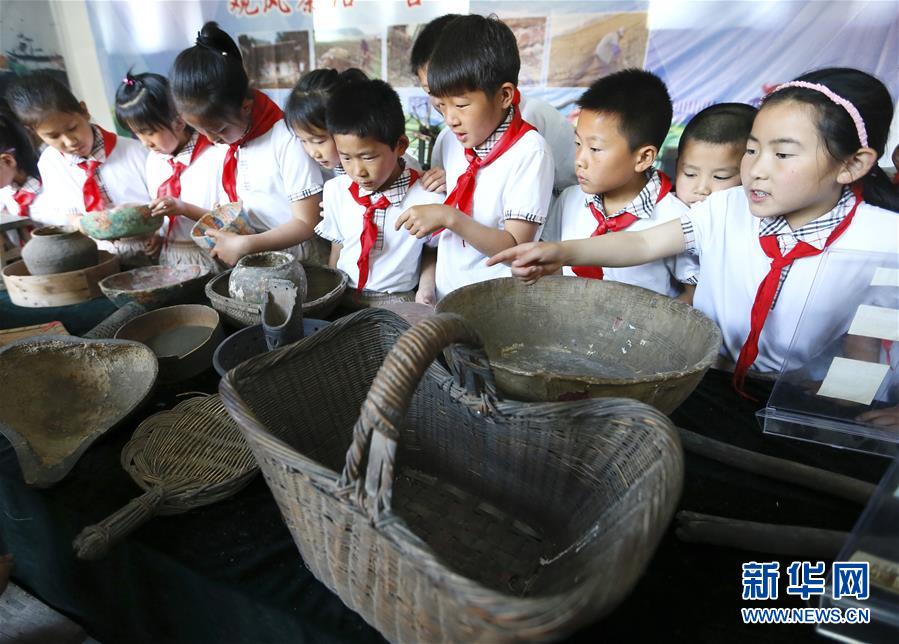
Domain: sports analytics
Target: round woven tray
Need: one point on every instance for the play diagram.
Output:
(189, 456)
(325, 287)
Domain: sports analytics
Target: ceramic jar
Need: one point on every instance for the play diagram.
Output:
(249, 278)
(57, 249)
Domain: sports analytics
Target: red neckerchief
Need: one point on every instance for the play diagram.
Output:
(462, 196)
(369, 227)
(93, 198)
(614, 224)
(764, 297)
(171, 187)
(24, 198)
(263, 118)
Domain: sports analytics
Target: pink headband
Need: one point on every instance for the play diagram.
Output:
(839, 100)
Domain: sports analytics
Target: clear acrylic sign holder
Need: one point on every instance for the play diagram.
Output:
(875, 539)
(843, 392)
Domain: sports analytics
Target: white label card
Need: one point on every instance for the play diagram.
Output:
(885, 277)
(876, 322)
(853, 380)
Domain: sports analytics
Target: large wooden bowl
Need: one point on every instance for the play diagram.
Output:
(155, 286)
(61, 393)
(59, 289)
(566, 338)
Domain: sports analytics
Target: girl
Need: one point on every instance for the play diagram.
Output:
(21, 193)
(305, 115)
(810, 181)
(183, 168)
(84, 168)
(265, 166)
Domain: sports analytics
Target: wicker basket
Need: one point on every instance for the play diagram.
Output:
(325, 286)
(499, 521)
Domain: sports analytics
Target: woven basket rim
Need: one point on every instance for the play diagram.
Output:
(245, 308)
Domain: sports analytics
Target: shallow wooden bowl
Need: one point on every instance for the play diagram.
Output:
(183, 337)
(62, 393)
(156, 286)
(566, 338)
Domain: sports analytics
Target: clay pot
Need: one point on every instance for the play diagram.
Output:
(249, 278)
(57, 249)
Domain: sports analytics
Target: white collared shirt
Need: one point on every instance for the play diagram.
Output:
(578, 222)
(123, 177)
(201, 182)
(395, 259)
(517, 185)
(725, 236)
(273, 171)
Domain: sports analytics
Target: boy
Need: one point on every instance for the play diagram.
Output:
(499, 170)
(711, 149)
(367, 123)
(709, 153)
(550, 123)
(623, 121)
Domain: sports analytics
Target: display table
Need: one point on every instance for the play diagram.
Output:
(230, 572)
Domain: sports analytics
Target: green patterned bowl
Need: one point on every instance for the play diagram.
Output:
(128, 220)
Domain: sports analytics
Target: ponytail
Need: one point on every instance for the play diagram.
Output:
(208, 80)
(14, 139)
(144, 102)
(307, 104)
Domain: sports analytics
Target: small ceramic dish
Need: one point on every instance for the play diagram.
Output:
(229, 217)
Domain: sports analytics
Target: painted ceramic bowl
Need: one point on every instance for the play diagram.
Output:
(155, 286)
(129, 220)
(229, 217)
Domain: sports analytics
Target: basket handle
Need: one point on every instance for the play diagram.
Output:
(391, 392)
(94, 541)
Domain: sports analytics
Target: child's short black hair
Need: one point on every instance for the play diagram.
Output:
(426, 41)
(15, 140)
(367, 109)
(209, 79)
(35, 97)
(144, 102)
(473, 53)
(639, 99)
(722, 123)
(307, 104)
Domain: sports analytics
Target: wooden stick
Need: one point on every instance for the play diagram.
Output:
(844, 487)
(770, 538)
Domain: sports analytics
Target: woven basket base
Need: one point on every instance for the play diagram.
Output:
(472, 537)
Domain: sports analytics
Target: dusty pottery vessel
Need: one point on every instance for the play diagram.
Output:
(155, 286)
(129, 220)
(68, 392)
(59, 249)
(249, 278)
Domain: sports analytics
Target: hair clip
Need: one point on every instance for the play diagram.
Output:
(128, 81)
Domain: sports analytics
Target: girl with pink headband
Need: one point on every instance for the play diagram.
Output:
(810, 182)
